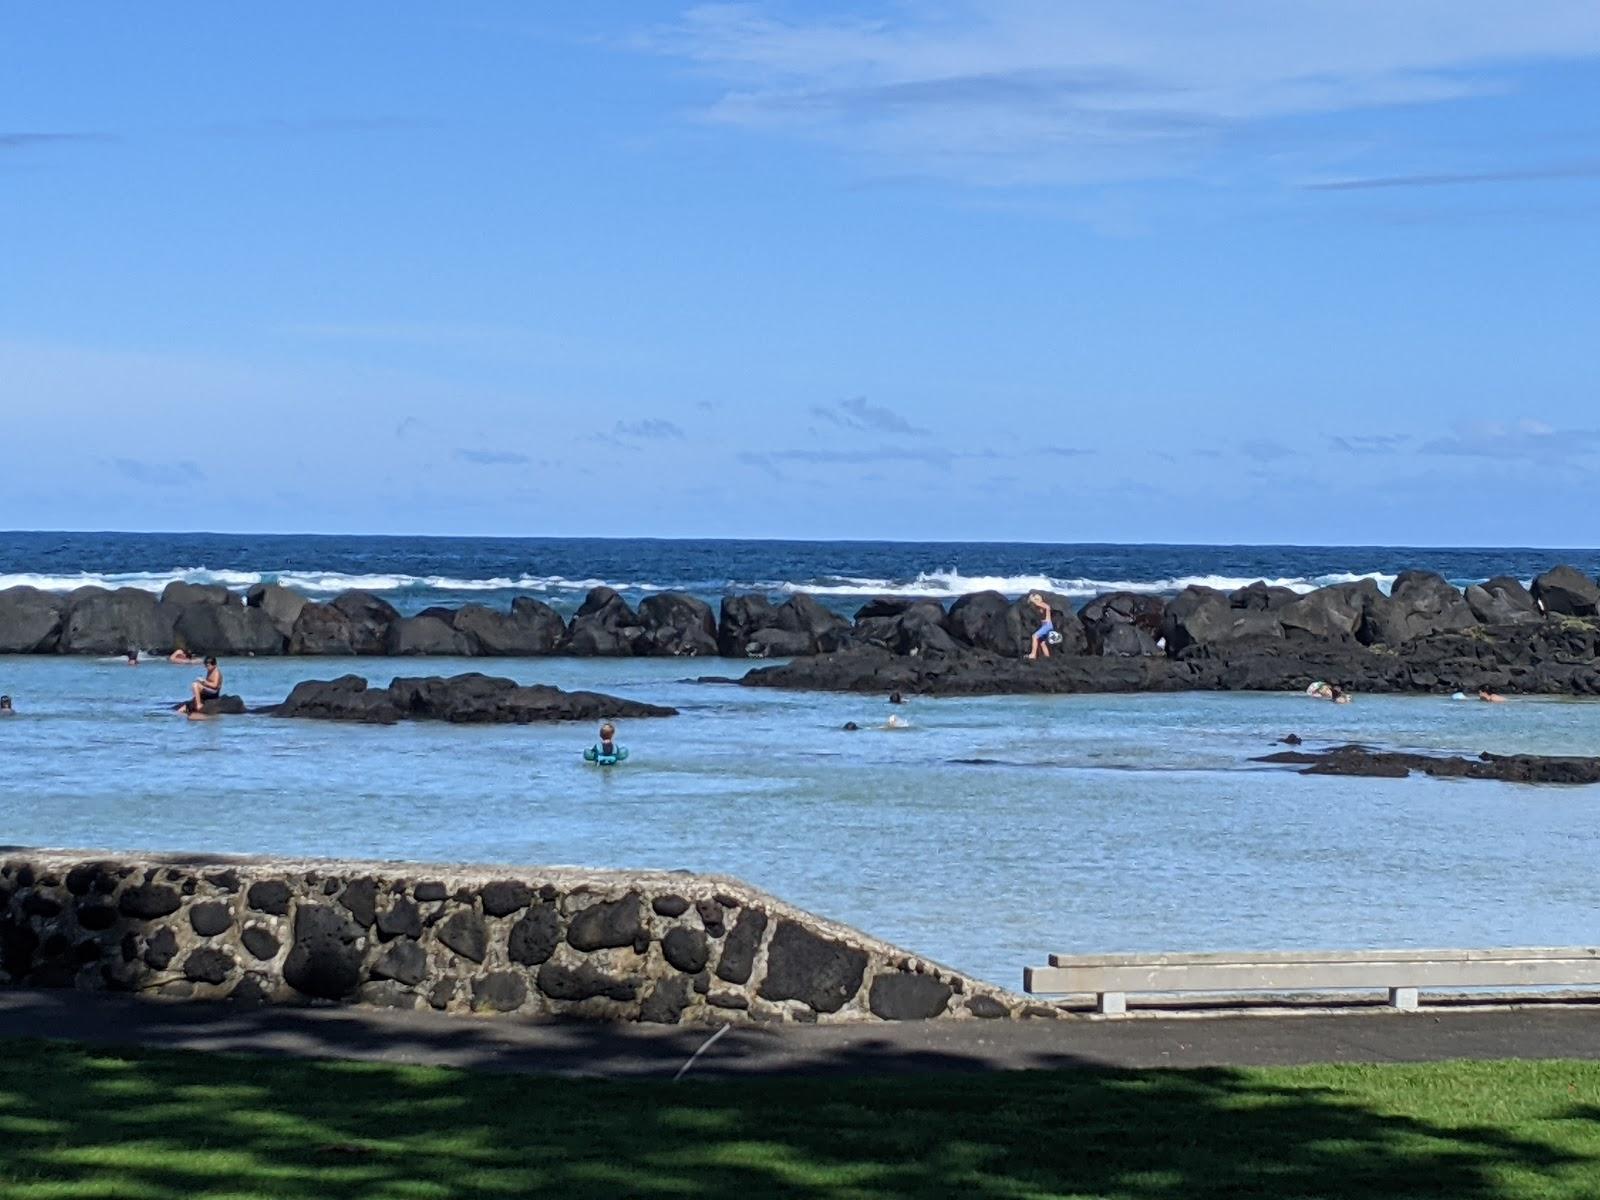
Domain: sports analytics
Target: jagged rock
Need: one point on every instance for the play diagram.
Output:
(344, 699)
(429, 635)
(1567, 591)
(1262, 597)
(321, 629)
(1420, 603)
(604, 626)
(1327, 614)
(462, 699)
(102, 622)
(803, 614)
(1503, 601)
(979, 620)
(211, 627)
(742, 617)
(1123, 623)
(282, 606)
(179, 594)
(1202, 616)
(531, 628)
(777, 643)
(676, 624)
(30, 620)
(370, 620)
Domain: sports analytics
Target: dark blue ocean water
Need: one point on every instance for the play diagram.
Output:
(414, 572)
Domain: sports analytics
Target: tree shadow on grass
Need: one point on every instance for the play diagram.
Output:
(84, 1123)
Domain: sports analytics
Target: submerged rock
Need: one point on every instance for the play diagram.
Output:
(1390, 764)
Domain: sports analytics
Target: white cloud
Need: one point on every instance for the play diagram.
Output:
(1038, 91)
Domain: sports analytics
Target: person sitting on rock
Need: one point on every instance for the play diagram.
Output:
(209, 687)
(1489, 696)
(1041, 635)
(5, 707)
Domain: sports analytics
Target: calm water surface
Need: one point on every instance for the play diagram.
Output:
(1101, 823)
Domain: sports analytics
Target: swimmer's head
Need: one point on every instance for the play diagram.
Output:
(133, 655)
(5, 701)
(607, 731)
(896, 698)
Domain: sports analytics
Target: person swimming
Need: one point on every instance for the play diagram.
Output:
(181, 657)
(1489, 696)
(133, 657)
(5, 707)
(1041, 636)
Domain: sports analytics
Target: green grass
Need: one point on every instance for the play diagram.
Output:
(79, 1122)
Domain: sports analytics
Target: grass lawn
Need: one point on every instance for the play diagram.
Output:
(80, 1122)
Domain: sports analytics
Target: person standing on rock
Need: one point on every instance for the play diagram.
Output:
(1041, 635)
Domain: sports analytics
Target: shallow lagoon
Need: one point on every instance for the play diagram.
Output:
(1103, 823)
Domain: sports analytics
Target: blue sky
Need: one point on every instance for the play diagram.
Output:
(1017, 270)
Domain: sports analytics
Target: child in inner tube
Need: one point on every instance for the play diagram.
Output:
(608, 740)
(1041, 635)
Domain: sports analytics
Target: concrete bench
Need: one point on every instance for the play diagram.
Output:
(1110, 977)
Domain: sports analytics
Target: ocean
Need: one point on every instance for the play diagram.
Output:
(413, 573)
(1094, 823)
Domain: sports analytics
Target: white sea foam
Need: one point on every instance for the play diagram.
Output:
(954, 583)
(941, 584)
(311, 582)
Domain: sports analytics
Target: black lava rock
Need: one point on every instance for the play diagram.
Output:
(908, 997)
(360, 896)
(208, 965)
(209, 917)
(583, 982)
(665, 1002)
(504, 897)
(400, 919)
(269, 896)
(260, 942)
(161, 949)
(670, 906)
(324, 960)
(533, 939)
(428, 893)
(686, 949)
(739, 951)
(499, 991)
(606, 925)
(96, 917)
(147, 901)
(815, 970)
(405, 962)
(464, 933)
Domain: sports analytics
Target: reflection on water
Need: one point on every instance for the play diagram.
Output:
(989, 833)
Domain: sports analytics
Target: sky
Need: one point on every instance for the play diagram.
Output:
(1017, 270)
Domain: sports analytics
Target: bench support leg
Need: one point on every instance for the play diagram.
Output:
(1112, 1004)
(1405, 999)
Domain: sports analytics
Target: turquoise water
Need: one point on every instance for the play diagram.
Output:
(1106, 823)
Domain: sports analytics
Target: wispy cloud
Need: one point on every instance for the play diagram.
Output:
(1370, 443)
(859, 414)
(1524, 440)
(1583, 170)
(1006, 92)
(1265, 450)
(650, 429)
(18, 141)
(923, 455)
(159, 474)
(492, 458)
